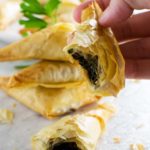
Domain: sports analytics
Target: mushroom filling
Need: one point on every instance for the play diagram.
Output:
(65, 146)
(89, 63)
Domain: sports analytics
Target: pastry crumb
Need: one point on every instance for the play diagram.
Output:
(117, 140)
(6, 116)
(14, 105)
(135, 81)
(137, 147)
(139, 126)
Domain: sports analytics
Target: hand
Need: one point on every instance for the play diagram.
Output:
(133, 32)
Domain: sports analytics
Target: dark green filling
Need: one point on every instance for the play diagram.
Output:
(65, 146)
(89, 63)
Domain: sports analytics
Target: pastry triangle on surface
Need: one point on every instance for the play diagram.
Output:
(77, 132)
(52, 102)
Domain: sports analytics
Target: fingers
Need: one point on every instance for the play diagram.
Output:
(120, 10)
(116, 12)
(79, 9)
(77, 13)
(137, 53)
(138, 4)
(138, 69)
(103, 3)
(137, 56)
(139, 49)
(135, 27)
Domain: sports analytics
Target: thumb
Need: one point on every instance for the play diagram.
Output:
(138, 4)
(116, 12)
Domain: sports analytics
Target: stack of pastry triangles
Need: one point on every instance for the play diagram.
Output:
(79, 64)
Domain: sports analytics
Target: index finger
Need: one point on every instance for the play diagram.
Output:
(79, 9)
(116, 11)
(77, 13)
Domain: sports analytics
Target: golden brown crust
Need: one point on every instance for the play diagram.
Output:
(51, 102)
(83, 129)
(50, 74)
(46, 44)
(91, 39)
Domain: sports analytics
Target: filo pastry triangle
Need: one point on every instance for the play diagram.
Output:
(51, 102)
(96, 50)
(88, 44)
(77, 132)
(50, 88)
(50, 74)
(46, 44)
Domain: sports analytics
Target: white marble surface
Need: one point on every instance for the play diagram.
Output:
(131, 124)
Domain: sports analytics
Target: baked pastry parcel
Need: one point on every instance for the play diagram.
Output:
(96, 50)
(50, 88)
(46, 44)
(90, 45)
(52, 102)
(78, 132)
(50, 74)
